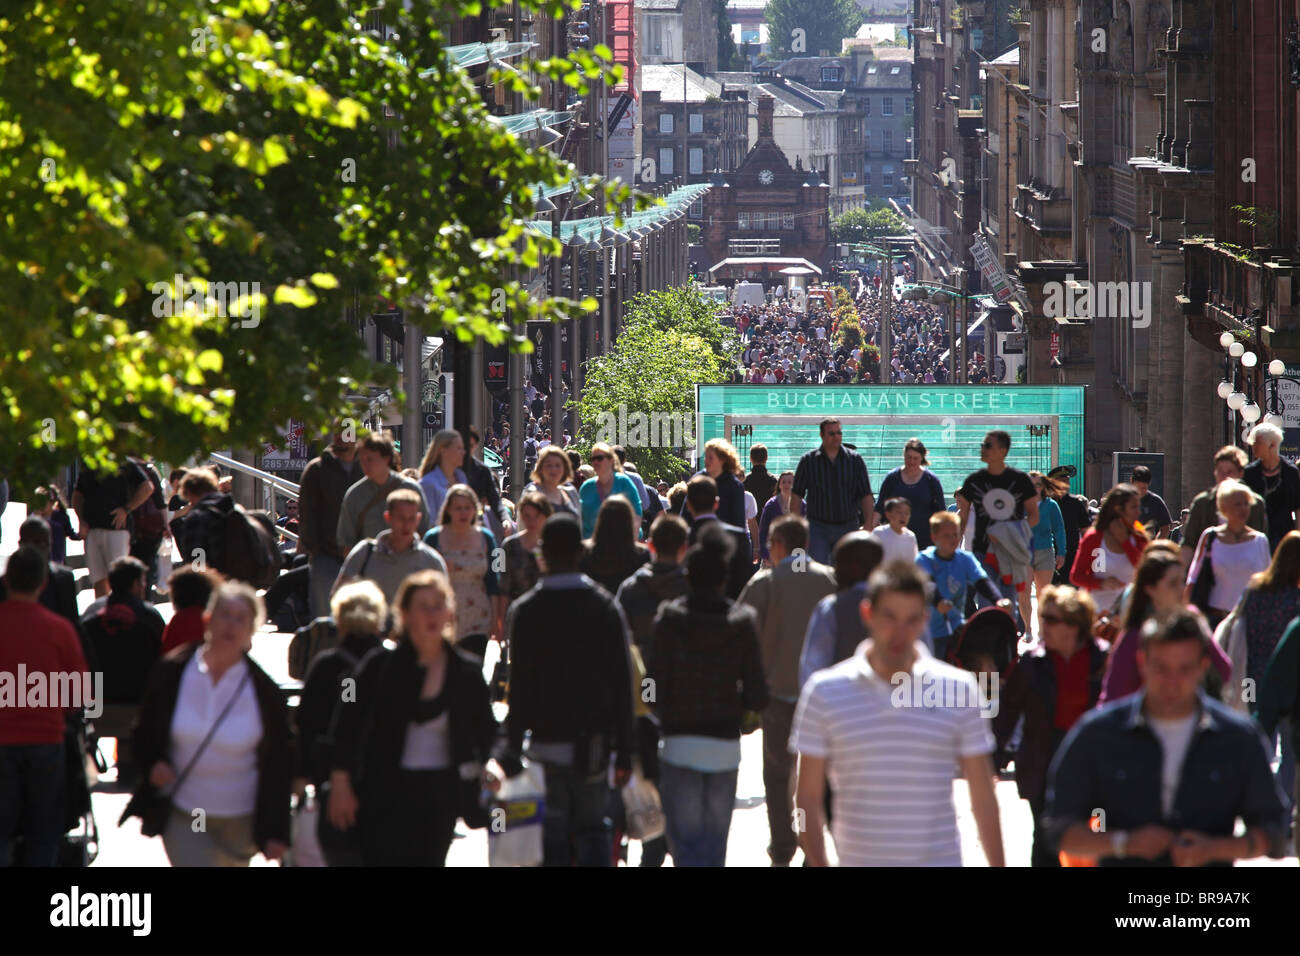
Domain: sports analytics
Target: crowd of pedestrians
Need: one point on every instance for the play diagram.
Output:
(640, 639)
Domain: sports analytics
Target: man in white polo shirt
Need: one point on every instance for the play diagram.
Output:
(889, 727)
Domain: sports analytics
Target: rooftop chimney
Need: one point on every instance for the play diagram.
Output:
(766, 103)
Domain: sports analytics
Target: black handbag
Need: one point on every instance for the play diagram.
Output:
(154, 806)
(1205, 577)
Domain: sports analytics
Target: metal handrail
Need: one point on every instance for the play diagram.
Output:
(275, 482)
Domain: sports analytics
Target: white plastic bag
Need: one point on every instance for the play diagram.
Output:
(515, 829)
(643, 809)
(305, 846)
(164, 565)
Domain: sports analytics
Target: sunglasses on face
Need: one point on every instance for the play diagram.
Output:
(596, 458)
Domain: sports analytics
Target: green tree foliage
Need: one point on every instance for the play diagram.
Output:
(857, 225)
(670, 341)
(728, 56)
(240, 141)
(825, 25)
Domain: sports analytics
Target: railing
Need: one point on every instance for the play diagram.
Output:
(276, 483)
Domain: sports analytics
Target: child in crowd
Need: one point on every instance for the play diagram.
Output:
(954, 571)
(895, 537)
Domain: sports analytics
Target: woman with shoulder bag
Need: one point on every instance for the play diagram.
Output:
(407, 756)
(1228, 555)
(1157, 590)
(214, 731)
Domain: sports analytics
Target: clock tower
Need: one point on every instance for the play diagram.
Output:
(767, 208)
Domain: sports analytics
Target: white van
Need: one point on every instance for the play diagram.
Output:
(749, 293)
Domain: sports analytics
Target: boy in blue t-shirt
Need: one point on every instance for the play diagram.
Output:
(953, 572)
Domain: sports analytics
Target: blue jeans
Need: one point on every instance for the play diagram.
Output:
(33, 793)
(822, 538)
(576, 830)
(324, 569)
(697, 813)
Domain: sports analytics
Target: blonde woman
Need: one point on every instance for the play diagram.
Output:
(467, 547)
(722, 464)
(1232, 551)
(609, 480)
(441, 469)
(553, 480)
(406, 757)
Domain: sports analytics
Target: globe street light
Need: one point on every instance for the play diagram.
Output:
(1236, 400)
(1250, 413)
(1276, 367)
(1224, 389)
(1226, 339)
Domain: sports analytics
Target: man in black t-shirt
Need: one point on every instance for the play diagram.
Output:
(103, 503)
(1074, 512)
(1275, 480)
(1155, 516)
(998, 493)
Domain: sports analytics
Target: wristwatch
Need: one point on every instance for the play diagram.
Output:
(1119, 844)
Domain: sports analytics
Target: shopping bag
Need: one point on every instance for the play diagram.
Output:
(164, 565)
(515, 831)
(643, 809)
(304, 847)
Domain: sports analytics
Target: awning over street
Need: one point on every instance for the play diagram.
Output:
(740, 266)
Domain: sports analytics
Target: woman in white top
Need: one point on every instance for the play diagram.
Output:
(214, 733)
(1236, 553)
(441, 469)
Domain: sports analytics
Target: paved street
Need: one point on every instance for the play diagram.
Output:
(125, 846)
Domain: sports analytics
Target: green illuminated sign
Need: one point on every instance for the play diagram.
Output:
(1045, 423)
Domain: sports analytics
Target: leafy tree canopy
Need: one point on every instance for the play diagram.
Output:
(239, 141)
(801, 28)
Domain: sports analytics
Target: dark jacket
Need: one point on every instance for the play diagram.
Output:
(731, 501)
(1112, 759)
(570, 670)
(367, 737)
(640, 597)
(611, 573)
(204, 527)
(152, 740)
(742, 565)
(124, 641)
(707, 669)
(1031, 691)
(321, 692)
(760, 483)
(324, 482)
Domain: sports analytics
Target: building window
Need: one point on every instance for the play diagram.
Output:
(887, 106)
(697, 160)
(866, 177)
(697, 123)
(742, 220)
(697, 209)
(889, 141)
(866, 106)
(907, 106)
(666, 162)
(894, 70)
(866, 140)
(665, 122)
(887, 177)
(787, 220)
(830, 74)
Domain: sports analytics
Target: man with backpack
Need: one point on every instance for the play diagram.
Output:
(218, 533)
(394, 554)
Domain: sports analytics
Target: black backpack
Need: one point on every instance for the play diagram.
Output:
(250, 553)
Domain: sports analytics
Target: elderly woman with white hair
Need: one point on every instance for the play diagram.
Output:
(359, 610)
(214, 733)
(1274, 479)
(1229, 554)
